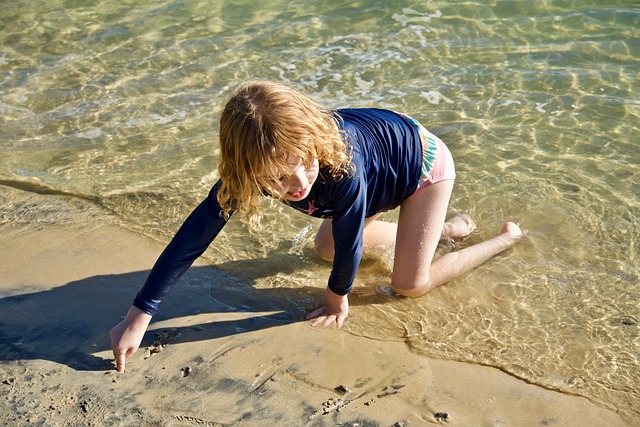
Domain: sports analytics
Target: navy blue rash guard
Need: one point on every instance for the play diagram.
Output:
(387, 155)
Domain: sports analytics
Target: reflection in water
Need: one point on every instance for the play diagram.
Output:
(117, 103)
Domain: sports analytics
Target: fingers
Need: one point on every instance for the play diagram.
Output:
(121, 357)
(119, 354)
(315, 313)
(324, 319)
(120, 360)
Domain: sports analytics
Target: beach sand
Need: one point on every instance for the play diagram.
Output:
(64, 284)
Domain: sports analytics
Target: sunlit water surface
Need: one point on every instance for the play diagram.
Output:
(117, 103)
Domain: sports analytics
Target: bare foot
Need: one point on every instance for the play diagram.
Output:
(513, 230)
(458, 227)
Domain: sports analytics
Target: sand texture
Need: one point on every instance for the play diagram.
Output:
(204, 363)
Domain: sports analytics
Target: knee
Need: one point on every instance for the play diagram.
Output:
(412, 291)
(323, 248)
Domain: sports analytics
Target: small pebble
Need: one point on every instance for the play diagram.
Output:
(441, 416)
(343, 389)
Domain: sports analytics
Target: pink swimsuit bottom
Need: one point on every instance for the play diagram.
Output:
(437, 161)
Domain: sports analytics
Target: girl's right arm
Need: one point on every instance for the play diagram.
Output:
(191, 240)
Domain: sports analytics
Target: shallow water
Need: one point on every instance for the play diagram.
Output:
(118, 103)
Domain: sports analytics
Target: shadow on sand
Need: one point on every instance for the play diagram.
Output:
(70, 323)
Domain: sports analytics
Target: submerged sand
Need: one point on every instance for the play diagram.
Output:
(206, 363)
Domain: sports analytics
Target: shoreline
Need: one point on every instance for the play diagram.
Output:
(205, 363)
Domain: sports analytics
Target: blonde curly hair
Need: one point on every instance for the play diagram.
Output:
(262, 126)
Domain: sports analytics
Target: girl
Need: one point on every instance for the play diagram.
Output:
(345, 166)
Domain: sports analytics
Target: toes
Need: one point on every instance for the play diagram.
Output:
(513, 230)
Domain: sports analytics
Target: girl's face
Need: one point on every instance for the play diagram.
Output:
(296, 183)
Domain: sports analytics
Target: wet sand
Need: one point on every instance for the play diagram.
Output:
(65, 283)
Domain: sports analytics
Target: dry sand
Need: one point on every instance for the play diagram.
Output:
(204, 363)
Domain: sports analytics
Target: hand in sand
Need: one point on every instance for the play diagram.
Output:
(336, 308)
(127, 335)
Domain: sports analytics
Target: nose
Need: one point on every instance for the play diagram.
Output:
(297, 180)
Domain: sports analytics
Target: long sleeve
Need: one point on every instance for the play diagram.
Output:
(192, 239)
(347, 228)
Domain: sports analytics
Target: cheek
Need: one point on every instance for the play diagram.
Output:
(313, 174)
(281, 189)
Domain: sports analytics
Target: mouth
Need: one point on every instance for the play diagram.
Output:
(301, 194)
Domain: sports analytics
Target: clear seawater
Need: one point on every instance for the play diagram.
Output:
(116, 102)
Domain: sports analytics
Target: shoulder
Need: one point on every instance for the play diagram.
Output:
(355, 117)
(369, 112)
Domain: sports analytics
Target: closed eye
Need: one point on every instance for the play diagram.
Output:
(284, 178)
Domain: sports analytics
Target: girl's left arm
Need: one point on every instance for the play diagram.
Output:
(347, 228)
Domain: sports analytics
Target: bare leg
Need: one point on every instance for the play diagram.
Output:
(382, 234)
(454, 264)
(414, 274)
(377, 234)
(420, 226)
